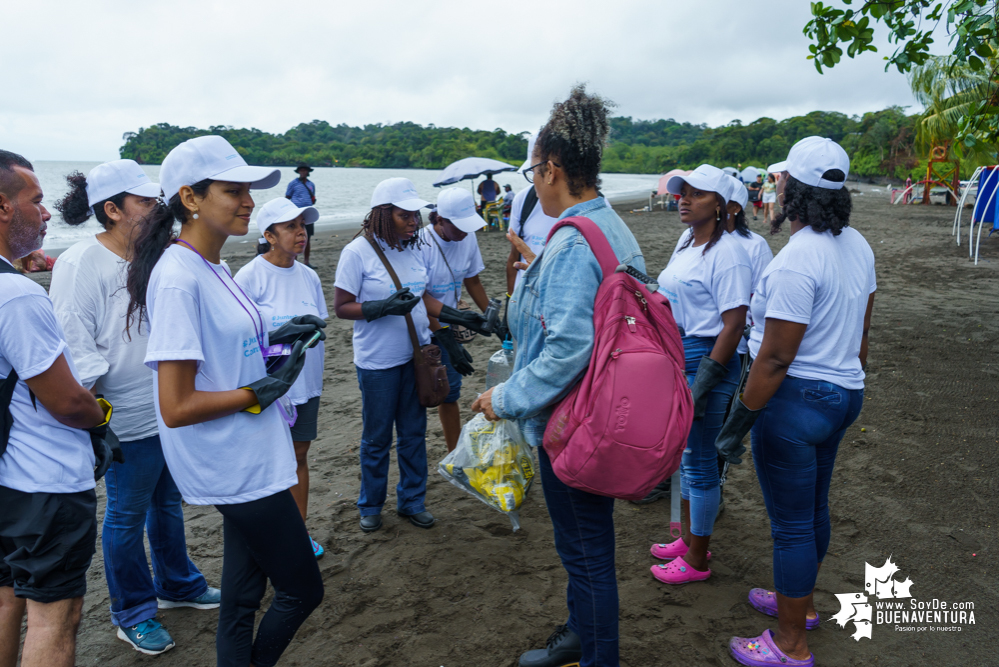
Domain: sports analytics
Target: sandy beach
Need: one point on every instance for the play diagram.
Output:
(915, 479)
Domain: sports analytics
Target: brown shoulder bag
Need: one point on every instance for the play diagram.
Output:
(431, 375)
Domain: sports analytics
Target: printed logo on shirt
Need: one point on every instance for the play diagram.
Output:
(885, 607)
(672, 296)
(250, 346)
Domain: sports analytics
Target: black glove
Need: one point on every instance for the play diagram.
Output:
(740, 421)
(466, 318)
(276, 384)
(298, 327)
(106, 446)
(709, 374)
(461, 360)
(399, 303)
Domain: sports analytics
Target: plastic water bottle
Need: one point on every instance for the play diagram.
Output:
(500, 365)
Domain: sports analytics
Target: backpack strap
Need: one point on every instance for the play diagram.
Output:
(8, 386)
(530, 201)
(595, 238)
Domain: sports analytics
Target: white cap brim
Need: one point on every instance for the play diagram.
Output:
(472, 223)
(674, 184)
(777, 167)
(146, 190)
(259, 178)
(411, 204)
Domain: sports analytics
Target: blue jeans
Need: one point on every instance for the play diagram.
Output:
(699, 479)
(388, 396)
(794, 449)
(141, 492)
(584, 538)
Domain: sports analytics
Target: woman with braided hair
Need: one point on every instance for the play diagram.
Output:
(551, 319)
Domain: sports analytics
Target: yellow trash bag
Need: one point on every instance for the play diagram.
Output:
(494, 463)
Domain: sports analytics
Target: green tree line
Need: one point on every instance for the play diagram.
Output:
(880, 143)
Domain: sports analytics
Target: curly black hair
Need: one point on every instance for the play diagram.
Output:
(716, 233)
(379, 223)
(574, 136)
(75, 208)
(821, 209)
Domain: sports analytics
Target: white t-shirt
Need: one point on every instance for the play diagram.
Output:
(760, 256)
(701, 286)
(535, 229)
(281, 294)
(193, 315)
(823, 281)
(463, 258)
(91, 302)
(384, 343)
(43, 456)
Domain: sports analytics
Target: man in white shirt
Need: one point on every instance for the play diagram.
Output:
(48, 522)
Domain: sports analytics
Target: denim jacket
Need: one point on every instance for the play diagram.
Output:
(551, 318)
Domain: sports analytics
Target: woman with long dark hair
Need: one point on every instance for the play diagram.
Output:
(551, 319)
(812, 309)
(90, 300)
(217, 378)
(708, 281)
(768, 195)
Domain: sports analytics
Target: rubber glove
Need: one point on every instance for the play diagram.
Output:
(399, 303)
(300, 326)
(274, 385)
(709, 374)
(466, 318)
(106, 446)
(740, 421)
(461, 360)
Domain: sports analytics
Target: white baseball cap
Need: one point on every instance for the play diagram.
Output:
(211, 157)
(399, 192)
(111, 178)
(282, 210)
(810, 158)
(705, 177)
(457, 205)
(739, 194)
(530, 152)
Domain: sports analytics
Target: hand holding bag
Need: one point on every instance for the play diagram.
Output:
(431, 375)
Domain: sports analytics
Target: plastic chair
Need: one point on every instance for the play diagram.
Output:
(492, 213)
(988, 186)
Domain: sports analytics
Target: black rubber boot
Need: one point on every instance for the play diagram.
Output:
(562, 649)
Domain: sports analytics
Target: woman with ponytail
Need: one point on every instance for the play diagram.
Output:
(218, 375)
(551, 319)
(708, 281)
(88, 292)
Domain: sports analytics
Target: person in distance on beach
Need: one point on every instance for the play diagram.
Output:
(302, 193)
(768, 197)
(224, 436)
(551, 319)
(488, 190)
(708, 282)
(48, 460)
(284, 289)
(451, 255)
(88, 292)
(756, 194)
(812, 310)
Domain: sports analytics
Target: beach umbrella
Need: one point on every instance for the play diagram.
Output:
(665, 178)
(748, 175)
(731, 171)
(471, 168)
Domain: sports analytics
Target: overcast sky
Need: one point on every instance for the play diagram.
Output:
(79, 74)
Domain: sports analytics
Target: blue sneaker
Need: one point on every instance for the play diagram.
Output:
(210, 599)
(148, 637)
(317, 549)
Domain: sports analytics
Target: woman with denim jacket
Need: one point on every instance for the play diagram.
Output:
(551, 319)
(708, 281)
(812, 310)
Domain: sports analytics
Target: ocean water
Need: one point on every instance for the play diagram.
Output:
(343, 194)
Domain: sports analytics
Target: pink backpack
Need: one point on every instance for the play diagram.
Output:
(624, 427)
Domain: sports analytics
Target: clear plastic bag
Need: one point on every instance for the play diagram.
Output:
(494, 463)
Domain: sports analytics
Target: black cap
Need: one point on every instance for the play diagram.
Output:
(302, 165)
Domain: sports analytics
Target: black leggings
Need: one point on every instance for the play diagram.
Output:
(264, 539)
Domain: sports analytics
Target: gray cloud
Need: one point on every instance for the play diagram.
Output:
(78, 75)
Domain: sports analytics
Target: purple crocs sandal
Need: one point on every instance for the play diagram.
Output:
(765, 601)
(763, 652)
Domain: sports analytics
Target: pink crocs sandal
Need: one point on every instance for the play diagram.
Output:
(766, 602)
(678, 572)
(763, 652)
(671, 550)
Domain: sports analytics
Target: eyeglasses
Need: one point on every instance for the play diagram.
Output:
(529, 172)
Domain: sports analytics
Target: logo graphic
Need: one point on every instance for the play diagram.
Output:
(621, 412)
(877, 606)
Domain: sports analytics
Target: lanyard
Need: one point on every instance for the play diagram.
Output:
(259, 332)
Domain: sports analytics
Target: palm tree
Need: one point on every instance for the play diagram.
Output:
(950, 90)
